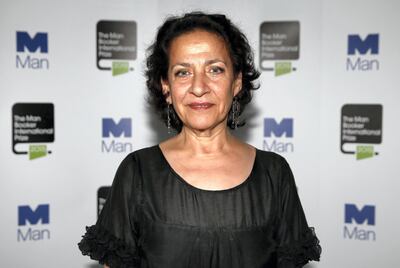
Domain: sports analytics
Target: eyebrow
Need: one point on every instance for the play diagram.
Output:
(185, 64)
(215, 61)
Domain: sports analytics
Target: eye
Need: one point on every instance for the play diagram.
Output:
(182, 73)
(216, 70)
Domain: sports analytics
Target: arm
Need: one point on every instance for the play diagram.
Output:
(113, 240)
(297, 242)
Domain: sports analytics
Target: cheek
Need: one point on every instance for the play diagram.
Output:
(223, 91)
(179, 90)
(178, 95)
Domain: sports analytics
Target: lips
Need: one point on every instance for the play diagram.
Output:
(200, 105)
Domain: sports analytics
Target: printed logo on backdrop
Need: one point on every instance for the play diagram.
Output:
(116, 46)
(278, 135)
(116, 135)
(279, 46)
(361, 128)
(33, 223)
(102, 194)
(32, 128)
(362, 52)
(32, 50)
(359, 222)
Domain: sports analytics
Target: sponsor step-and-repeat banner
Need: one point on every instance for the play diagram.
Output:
(279, 46)
(116, 45)
(32, 123)
(73, 105)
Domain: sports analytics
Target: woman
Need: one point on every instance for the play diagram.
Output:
(202, 198)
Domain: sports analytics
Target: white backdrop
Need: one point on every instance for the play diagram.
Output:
(309, 98)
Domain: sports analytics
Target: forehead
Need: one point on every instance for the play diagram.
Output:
(197, 42)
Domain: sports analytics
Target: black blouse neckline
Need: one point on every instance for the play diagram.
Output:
(258, 223)
(194, 188)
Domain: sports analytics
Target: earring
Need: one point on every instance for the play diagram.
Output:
(235, 113)
(169, 118)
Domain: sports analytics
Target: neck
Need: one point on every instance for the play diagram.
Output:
(210, 142)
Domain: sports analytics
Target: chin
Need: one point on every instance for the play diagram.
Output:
(201, 125)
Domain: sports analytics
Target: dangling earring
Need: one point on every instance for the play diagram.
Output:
(235, 113)
(169, 118)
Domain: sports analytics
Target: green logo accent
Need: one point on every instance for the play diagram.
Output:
(364, 152)
(120, 67)
(282, 68)
(36, 151)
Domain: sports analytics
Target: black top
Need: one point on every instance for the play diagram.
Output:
(155, 219)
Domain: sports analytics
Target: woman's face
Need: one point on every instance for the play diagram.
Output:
(201, 82)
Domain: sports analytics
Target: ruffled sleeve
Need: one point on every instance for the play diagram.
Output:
(297, 242)
(113, 240)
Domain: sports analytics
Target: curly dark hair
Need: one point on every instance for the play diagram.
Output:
(239, 50)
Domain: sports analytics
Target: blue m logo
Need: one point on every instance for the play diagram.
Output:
(123, 127)
(369, 44)
(39, 41)
(26, 214)
(285, 127)
(366, 214)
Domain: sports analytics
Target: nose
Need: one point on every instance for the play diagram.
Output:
(199, 86)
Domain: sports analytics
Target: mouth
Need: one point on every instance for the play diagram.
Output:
(200, 105)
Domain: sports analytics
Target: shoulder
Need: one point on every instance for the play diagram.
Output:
(132, 166)
(146, 155)
(133, 159)
(271, 160)
(276, 168)
(143, 153)
(143, 159)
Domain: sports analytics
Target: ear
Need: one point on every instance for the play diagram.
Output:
(166, 91)
(237, 84)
